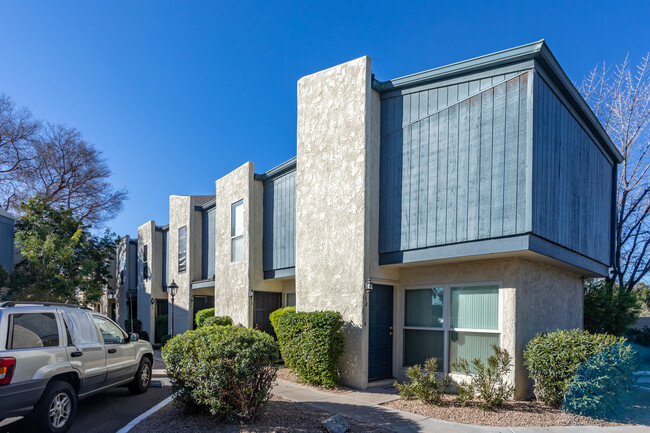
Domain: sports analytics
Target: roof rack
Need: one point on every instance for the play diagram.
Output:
(45, 304)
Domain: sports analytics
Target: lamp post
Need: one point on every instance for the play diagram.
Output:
(173, 289)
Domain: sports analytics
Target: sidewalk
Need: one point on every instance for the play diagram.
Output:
(365, 406)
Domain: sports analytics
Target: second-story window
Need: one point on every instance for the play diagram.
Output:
(145, 262)
(237, 231)
(182, 249)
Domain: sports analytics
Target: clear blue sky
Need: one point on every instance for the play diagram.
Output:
(178, 93)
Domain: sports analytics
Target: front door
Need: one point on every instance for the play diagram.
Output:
(265, 303)
(380, 330)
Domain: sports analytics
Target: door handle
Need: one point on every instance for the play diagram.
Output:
(112, 350)
(75, 354)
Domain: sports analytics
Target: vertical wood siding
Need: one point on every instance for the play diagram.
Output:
(450, 163)
(165, 259)
(208, 240)
(280, 222)
(7, 243)
(572, 180)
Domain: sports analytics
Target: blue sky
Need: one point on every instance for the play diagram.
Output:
(177, 94)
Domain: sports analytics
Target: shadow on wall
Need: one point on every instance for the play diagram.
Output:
(350, 360)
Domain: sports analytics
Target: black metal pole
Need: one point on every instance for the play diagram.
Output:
(172, 316)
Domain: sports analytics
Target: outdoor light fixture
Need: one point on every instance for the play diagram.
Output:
(173, 289)
(368, 286)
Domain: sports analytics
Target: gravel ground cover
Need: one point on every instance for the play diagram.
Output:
(512, 414)
(281, 416)
(285, 374)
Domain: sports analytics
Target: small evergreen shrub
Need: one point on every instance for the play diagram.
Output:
(597, 385)
(142, 335)
(312, 344)
(609, 309)
(488, 382)
(201, 315)
(224, 370)
(639, 336)
(161, 323)
(424, 384)
(275, 317)
(137, 325)
(218, 321)
(552, 359)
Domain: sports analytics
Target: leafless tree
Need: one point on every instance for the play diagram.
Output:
(18, 130)
(70, 172)
(620, 98)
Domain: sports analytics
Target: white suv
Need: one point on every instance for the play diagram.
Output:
(53, 354)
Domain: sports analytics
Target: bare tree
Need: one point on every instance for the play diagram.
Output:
(620, 98)
(18, 130)
(68, 171)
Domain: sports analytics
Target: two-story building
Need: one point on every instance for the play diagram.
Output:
(439, 213)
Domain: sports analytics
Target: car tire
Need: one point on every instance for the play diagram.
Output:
(55, 410)
(142, 378)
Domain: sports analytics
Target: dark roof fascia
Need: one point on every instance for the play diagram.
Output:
(281, 169)
(206, 206)
(536, 51)
(162, 228)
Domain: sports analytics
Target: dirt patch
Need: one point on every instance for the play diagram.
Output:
(282, 416)
(512, 414)
(285, 374)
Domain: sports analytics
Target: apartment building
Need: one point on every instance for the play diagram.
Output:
(439, 213)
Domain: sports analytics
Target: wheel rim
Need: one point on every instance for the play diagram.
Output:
(60, 408)
(145, 376)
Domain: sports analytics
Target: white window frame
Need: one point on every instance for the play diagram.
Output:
(446, 317)
(233, 224)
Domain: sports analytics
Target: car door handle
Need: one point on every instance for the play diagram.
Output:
(75, 354)
(112, 350)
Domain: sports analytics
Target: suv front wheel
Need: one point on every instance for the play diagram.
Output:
(55, 410)
(142, 377)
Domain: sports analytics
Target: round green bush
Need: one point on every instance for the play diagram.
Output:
(165, 339)
(312, 344)
(142, 335)
(552, 359)
(201, 315)
(218, 321)
(224, 370)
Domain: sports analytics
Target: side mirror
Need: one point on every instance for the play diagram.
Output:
(133, 337)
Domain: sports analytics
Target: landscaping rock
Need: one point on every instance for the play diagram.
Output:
(336, 424)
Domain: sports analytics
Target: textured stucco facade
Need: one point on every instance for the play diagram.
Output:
(149, 288)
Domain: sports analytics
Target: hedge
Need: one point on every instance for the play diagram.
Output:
(553, 358)
(201, 315)
(218, 321)
(311, 344)
(224, 370)
(161, 324)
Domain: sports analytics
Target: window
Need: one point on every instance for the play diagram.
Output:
(81, 328)
(290, 300)
(145, 262)
(161, 307)
(122, 267)
(182, 249)
(33, 330)
(449, 323)
(237, 231)
(111, 333)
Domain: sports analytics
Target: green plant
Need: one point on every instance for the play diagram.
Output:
(161, 323)
(464, 392)
(142, 335)
(137, 325)
(552, 359)
(165, 339)
(224, 370)
(218, 321)
(609, 309)
(312, 344)
(488, 382)
(425, 385)
(597, 384)
(275, 317)
(201, 315)
(639, 336)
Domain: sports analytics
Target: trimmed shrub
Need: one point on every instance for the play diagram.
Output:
(487, 381)
(312, 344)
(597, 385)
(275, 317)
(552, 359)
(201, 315)
(137, 325)
(218, 321)
(165, 339)
(161, 323)
(424, 383)
(224, 370)
(142, 335)
(609, 309)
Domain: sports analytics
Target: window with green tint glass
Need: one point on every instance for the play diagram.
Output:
(421, 345)
(424, 307)
(470, 345)
(475, 307)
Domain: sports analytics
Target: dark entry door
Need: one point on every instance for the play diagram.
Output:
(380, 330)
(265, 303)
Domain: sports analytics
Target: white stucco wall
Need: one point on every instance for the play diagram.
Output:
(146, 236)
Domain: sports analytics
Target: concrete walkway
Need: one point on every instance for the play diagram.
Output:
(365, 406)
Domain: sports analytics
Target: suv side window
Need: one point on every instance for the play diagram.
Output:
(32, 330)
(111, 333)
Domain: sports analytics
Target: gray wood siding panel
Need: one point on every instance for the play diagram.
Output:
(6, 243)
(279, 224)
(208, 243)
(572, 180)
(450, 164)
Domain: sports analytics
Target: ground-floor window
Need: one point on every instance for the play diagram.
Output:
(290, 300)
(450, 322)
